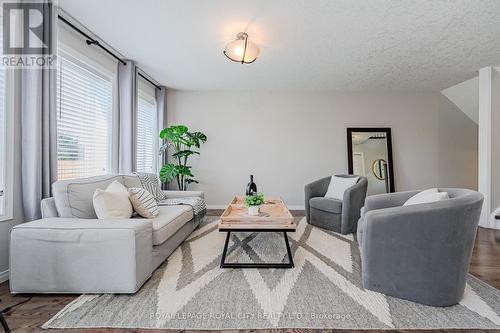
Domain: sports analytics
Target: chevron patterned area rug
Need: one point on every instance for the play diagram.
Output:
(323, 291)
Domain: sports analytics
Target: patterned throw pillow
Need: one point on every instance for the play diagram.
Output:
(151, 183)
(143, 202)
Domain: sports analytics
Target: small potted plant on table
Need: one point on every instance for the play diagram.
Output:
(253, 202)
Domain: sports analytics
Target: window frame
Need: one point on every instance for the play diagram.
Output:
(93, 66)
(8, 139)
(8, 170)
(142, 93)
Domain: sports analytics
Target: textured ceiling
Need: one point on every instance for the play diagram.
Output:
(305, 44)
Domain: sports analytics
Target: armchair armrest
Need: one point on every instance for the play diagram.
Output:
(317, 188)
(183, 194)
(352, 202)
(387, 200)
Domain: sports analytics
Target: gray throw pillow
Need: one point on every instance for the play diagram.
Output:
(151, 183)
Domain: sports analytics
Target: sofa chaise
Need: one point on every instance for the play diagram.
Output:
(69, 250)
(419, 252)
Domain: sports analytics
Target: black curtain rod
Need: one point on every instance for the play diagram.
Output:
(90, 40)
(152, 83)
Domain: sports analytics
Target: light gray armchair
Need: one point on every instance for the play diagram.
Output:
(332, 214)
(421, 252)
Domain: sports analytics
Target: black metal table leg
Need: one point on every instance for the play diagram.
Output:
(289, 264)
(224, 252)
(290, 258)
(4, 323)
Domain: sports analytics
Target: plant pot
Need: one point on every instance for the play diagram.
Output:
(253, 210)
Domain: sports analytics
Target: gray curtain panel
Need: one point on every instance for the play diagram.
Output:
(127, 106)
(161, 104)
(39, 137)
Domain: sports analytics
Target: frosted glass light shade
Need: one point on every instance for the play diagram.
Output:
(242, 50)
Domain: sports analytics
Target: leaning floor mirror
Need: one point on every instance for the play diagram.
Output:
(370, 155)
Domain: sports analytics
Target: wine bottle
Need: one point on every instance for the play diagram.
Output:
(251, 187)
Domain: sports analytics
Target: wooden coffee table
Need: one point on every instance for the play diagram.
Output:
(274, 217)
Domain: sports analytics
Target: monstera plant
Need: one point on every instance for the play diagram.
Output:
(184, 144)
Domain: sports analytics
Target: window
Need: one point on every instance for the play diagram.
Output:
(146, 129)
(84, 119)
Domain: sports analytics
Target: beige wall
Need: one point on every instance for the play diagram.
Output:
(288, 139)
(495, 141)
(458, 146)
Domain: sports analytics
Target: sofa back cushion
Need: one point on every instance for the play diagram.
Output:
(73, 198)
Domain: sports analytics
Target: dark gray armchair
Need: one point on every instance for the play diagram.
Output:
(332, 214)
(421, 252)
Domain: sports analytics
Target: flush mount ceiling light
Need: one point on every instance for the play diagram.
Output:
(242, 50)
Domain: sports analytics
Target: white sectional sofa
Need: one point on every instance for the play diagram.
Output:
(69, 250)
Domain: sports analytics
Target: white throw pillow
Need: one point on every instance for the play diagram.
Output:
(112, 203)
(143, 202)
(338, 185)
(427, 196)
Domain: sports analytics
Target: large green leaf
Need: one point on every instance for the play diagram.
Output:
(174, 133)
(181, 129)
(184, 171)
(185, 153)
(168, 172)
(200, 136)
(196, 138)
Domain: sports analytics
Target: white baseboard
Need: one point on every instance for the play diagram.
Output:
(296, 207)
(491, 222)
(4, 276)
(216, 206)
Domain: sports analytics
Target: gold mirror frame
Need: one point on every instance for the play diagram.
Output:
(380, 160)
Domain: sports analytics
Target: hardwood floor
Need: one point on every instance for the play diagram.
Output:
(485, 263)
(30, 316)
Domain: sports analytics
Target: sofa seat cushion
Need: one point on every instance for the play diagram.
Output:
(169, 220)
(326, 204)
